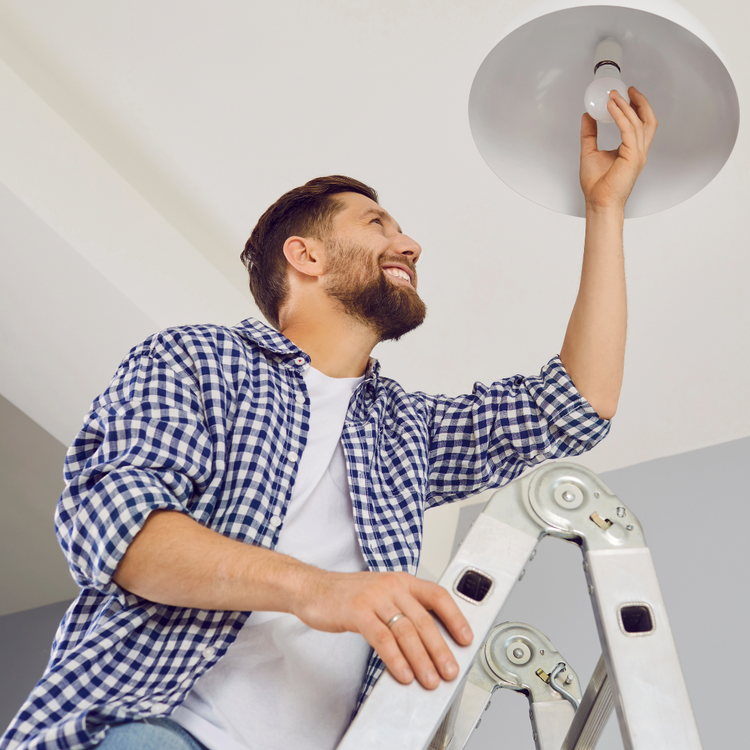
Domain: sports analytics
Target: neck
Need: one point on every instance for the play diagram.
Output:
(338, 345)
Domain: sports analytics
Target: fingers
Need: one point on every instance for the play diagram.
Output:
(646, 114)
(423, 648)
(639, 114)
(382, 639)
(437, 599)
(631, 128)
(413, 646)
(409, 649)
(420, 638)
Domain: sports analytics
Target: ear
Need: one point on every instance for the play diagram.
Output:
(305, 255)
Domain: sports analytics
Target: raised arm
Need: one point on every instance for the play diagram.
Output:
(593, 351)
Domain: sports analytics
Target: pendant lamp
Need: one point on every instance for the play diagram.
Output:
(527, 99)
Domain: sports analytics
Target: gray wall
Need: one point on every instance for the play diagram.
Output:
(25, 640)
(695, 512)
(33, 570)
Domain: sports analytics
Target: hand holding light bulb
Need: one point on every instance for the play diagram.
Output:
(607, 177)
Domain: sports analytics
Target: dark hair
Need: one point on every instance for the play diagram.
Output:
(306, 211)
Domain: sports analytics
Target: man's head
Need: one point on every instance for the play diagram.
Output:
(332, 229)
(306, 211)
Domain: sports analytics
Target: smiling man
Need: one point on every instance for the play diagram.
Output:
(244, 506)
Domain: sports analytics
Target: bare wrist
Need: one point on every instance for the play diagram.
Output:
(607, 212)
(307, 584)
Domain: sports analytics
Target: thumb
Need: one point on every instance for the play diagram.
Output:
(588, 134)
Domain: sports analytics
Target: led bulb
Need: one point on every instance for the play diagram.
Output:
(607, 63)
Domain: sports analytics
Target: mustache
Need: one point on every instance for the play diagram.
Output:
(385, 258)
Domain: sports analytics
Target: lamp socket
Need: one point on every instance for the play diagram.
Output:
(608, 50)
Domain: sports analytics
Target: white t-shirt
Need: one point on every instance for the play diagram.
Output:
(282, 685)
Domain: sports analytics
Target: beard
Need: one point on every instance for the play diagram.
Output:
(358, 282)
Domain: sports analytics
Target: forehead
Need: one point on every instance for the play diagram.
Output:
(359, 209)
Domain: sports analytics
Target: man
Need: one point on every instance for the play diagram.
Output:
(248, 470)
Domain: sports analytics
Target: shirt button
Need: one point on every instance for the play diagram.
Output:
(275, 521)
(300, 399)
(293, 457)
(299, 361)
(209, 652)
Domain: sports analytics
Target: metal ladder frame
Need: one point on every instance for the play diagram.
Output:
(640, 670)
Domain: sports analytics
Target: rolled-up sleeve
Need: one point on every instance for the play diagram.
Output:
(144, 446)
(489, 437)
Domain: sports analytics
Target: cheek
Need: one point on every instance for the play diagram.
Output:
(366, 271)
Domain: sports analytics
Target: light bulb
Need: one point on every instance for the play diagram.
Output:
(607, 63)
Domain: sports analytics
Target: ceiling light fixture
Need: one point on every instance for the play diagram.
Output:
(525, 104)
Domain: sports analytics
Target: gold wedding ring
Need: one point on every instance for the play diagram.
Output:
(394, 619)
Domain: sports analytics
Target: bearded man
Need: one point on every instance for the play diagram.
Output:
(244, 506)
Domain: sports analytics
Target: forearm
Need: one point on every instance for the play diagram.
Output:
(593, 352)
(174, 560)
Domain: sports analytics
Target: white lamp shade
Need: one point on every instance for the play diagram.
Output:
(526, 101)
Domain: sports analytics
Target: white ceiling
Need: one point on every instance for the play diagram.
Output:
(142, 140)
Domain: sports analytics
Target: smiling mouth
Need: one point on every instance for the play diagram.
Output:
(398, 273)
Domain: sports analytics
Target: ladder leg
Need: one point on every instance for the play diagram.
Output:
(650, 696)
(591, 717)
(446, 731)
(480, 577)
(652, 702)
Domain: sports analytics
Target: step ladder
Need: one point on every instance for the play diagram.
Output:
(639, 672)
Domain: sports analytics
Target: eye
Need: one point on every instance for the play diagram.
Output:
(377, 221)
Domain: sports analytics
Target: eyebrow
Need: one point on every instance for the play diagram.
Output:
(380, 213)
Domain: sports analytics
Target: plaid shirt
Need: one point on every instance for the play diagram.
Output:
(212, 421)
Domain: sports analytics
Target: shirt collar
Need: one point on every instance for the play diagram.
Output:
(266, 337)
(270, 339)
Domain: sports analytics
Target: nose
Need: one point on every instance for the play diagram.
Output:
(408, 247)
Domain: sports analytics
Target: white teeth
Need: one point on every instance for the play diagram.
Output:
(399, 273)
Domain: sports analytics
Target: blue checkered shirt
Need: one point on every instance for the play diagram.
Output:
(208, 421)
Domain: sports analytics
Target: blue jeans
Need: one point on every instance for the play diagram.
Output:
(149, 734)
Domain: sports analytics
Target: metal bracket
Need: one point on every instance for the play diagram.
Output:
(517, 657)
